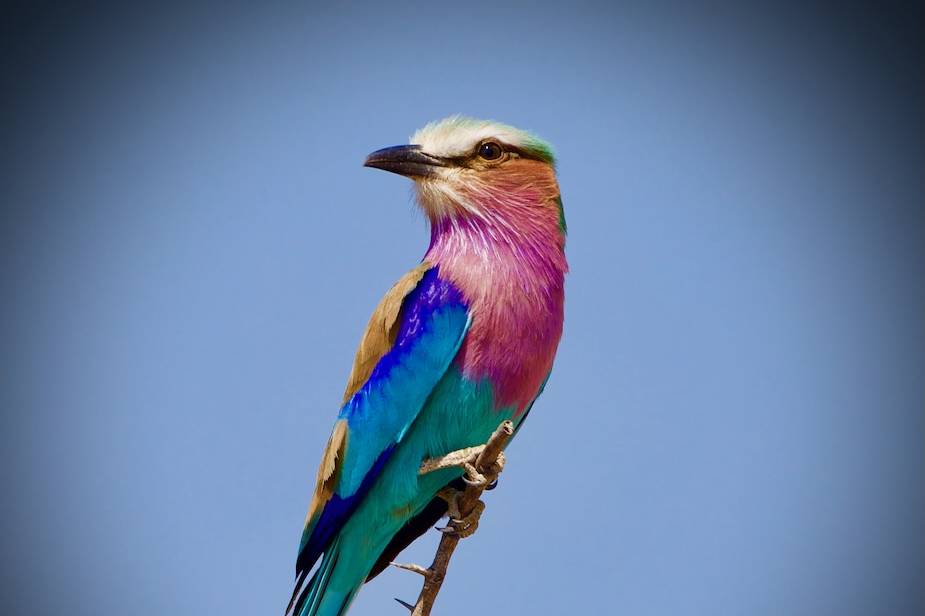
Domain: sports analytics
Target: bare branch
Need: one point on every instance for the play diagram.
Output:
(483, 464)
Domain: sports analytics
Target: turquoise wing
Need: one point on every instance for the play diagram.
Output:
(411, 340)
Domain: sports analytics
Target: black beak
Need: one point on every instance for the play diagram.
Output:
(408, 160)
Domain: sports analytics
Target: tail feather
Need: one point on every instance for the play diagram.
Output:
(319, 584)
(314, 598)
(295, 591)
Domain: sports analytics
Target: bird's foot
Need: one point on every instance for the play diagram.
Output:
(464, 526)
(487, 480)
(460, 524)
(451, 496)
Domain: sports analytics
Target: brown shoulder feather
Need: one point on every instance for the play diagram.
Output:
(328, 471)
(382, 329)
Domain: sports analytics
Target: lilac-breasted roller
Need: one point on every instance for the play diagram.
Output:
(462, 342)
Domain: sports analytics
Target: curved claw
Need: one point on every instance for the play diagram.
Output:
(472, 476)
(468, 529)
(478, 481)
(465, 526)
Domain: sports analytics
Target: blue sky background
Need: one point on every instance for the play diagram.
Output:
(191, 250)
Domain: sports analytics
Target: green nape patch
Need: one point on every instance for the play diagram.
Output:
(539, 149)
(562, 226)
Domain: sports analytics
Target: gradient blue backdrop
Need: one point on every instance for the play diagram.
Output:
(191, 249)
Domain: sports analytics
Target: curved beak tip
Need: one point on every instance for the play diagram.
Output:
(407, 160)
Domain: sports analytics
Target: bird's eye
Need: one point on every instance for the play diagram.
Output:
(490, 150)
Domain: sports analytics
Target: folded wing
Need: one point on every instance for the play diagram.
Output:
(410, 341)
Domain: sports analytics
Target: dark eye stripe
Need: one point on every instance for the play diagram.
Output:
(515, 152)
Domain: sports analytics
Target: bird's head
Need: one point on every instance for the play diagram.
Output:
(480, 172)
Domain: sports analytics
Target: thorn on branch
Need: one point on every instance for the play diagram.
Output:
(413, 568)
(405, 603)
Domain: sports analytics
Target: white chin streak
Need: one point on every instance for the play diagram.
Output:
(440, 199)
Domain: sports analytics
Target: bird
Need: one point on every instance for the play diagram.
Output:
(463, 341)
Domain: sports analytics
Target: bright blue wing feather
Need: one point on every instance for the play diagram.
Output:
(433, 322)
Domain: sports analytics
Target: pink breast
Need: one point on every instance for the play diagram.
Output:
(516, 325)
(514, 351)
